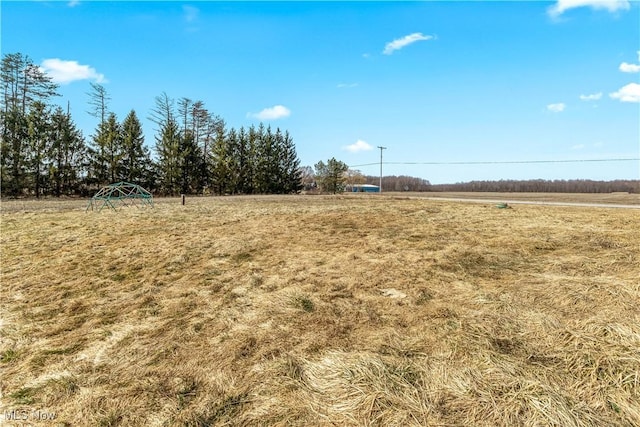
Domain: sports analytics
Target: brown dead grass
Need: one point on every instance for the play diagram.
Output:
(321, 311)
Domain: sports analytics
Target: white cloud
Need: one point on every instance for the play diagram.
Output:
(556, 108)
(73, 3)
(65, 72)
(625, 67)
(344, 85)
(190, 13)
(592, 97)
(611, 5)
(272, 113)
(358, 146)
(628, 93)
(577, 147)
(398, 44)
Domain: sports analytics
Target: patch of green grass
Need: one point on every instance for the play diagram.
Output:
(304, 303)
(24, 396)
(8, 355)
(615, 407)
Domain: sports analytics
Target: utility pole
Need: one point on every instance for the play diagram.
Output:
(381, 148)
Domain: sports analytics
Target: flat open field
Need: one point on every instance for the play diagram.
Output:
(352, 310)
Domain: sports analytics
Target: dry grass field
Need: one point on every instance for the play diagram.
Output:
(632, 199)
(352, 310)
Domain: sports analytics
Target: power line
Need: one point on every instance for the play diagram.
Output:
(512, 162)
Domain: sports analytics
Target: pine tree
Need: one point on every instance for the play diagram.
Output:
(23, 83)
(190, 164)
(220, 155)
(244, 161)
(136, 159)
(168, 144)
(115, 151)
(67, 153)
(107, 152)
(264, 160)
(39, 140)
(331, 176)
(290, 166)
(14, 153)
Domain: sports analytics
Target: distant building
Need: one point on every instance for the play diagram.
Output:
(365, 188)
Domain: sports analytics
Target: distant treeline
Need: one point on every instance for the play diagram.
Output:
(399, 183)
(544, 186)
(409, 183)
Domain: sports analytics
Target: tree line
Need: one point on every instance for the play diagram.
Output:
(42, 151)
(544, 186)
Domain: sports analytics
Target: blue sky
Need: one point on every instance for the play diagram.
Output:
(434, 82)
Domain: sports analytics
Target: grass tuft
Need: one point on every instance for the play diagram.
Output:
(303, 303)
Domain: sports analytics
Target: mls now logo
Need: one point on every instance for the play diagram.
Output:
(16, 415)
(25, 415)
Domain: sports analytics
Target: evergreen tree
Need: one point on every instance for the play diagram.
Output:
(264, 160)
(136, 159)
(67, 153)
(253, 143)
(244, 162)
(115, 151)
(168, 144)
(39, 139)
(291, 176)
(14, 151)
(190, 164)
(203, 127)
(331, 176)
(107, 152)
(23, 83)
(220, 157)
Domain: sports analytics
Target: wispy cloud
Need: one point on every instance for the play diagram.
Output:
(578, 147)
(592, 97)
(347, 85)
(358, 146)
(625, 67)
(65, 72)
(556, 108)
(190, 13)
(398, 44)
(562, 6)
(271, 113)
(628, 93)
(73, 3)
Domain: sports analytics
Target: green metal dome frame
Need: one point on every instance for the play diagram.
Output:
(118, 195)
